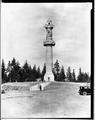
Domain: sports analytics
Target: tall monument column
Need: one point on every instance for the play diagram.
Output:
(49, 43)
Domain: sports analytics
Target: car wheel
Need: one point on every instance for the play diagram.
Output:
(84, 93)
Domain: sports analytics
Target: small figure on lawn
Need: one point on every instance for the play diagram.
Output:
(48, 78)
(40, 87)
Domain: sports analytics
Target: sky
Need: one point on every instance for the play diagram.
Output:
(23, 33)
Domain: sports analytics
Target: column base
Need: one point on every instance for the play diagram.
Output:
(49, 77)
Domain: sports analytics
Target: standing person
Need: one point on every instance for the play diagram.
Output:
(48, 78)
(40, 87)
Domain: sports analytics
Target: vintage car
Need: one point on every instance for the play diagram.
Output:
(85, 90)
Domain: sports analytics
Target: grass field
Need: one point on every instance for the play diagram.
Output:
(58, 100)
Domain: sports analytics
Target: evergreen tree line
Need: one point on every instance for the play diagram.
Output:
(69, 76)
(15, 73)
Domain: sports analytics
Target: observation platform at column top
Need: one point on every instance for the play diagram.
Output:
(49, 43)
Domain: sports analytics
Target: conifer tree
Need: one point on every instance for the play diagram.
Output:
(73, 76)
(4, 75)
(17, 69)
(26, 72)
(13, 63)
(9, 68)
(69, 74)
(56, 70)
(14, 69)
(38, 73)
(34, 71)
(80, 76)
(62, 76)
(57, 67)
